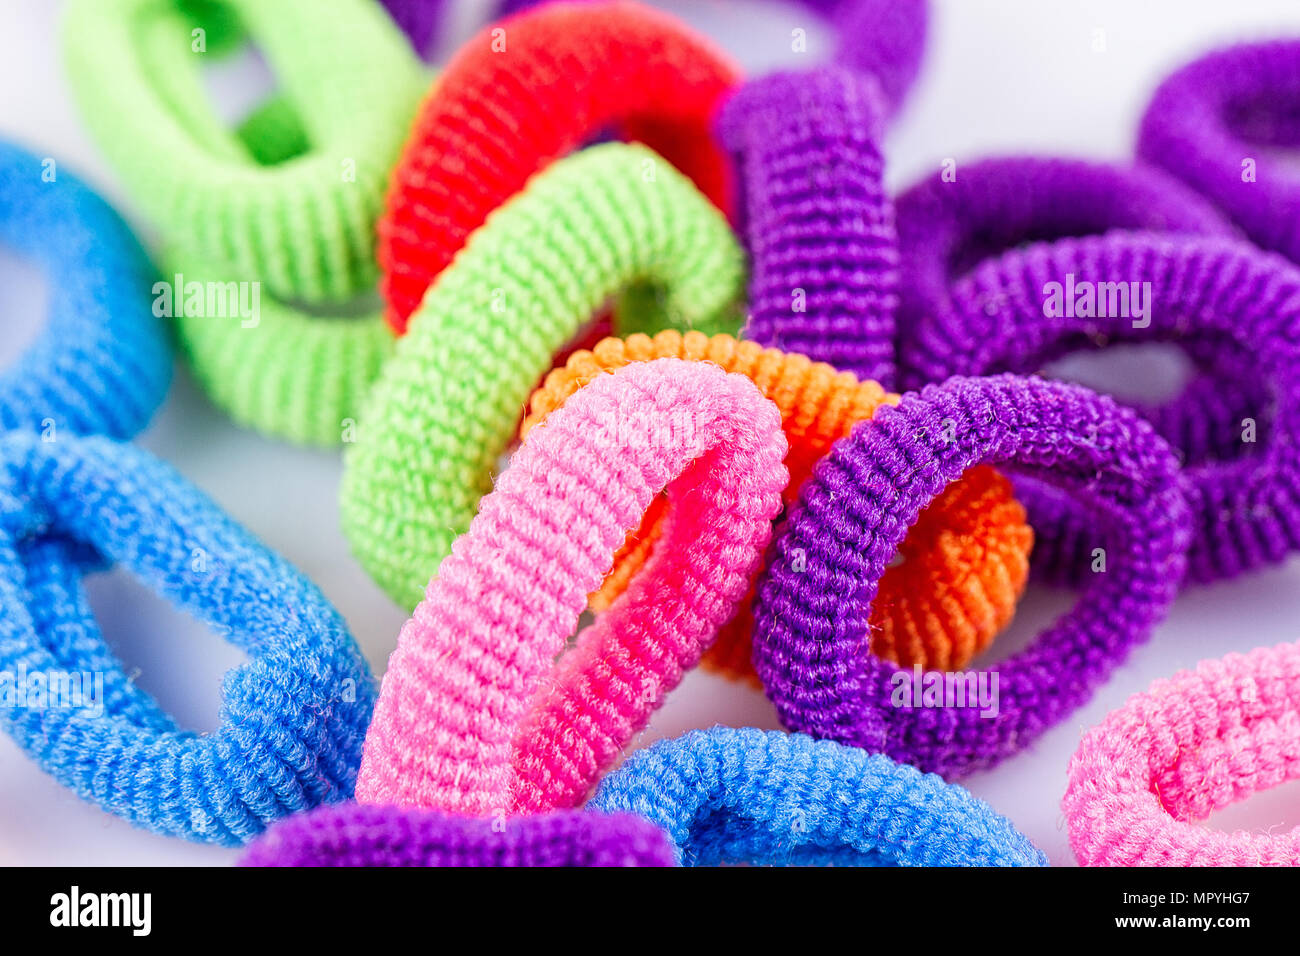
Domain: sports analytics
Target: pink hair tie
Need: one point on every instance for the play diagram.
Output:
(476, 714)
(1190, 745)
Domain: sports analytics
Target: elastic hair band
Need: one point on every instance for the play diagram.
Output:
(476, 714)
(764, 797)
(965, 562)
(811, 616)
(587, 227)
(102, 363)
(1189, 745)
(292, 718)
(419, 20)
(530, 89)
(356, 835)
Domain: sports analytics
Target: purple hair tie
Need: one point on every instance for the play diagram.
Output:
(811, 613)
(1227, 125)
(350, 834)
(419, 20)
(819, 225)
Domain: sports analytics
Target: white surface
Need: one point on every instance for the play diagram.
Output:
(1000, 76)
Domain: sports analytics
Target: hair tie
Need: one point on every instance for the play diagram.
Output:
(585, 228)
(419, 20)
(765, 797)
(476, 715)
(819, 225)
(293, 718)
(1188, 746)
(356, 835)
(528, 90)
(965, 561)
(810, 631)
(102, 363)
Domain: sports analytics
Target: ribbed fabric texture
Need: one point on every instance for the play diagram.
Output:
(476, 714)
(448, 402)
(292, 719)
(965, 561)
(532, 89)
(102, 362)
(1188, 746)
(764, 797)
(821, 575)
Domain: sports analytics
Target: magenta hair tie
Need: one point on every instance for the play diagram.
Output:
(1188, 746)
(1227, 125)
(353, 835)
(814, 596)
(817, 220)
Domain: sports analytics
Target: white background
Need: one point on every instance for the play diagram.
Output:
(1000, 76)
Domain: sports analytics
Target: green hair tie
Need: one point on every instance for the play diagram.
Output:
(611, 218)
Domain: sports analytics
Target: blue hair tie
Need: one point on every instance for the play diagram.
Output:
(766, 797)
(292, 719)
(103, 362)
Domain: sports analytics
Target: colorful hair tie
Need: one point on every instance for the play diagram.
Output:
(1246, 510)
(965, 562)
(819, 225)
(419, 20)
(1188, 746)
(293, 718)
(531, 89)
(1225, 125)
(476, 715)
(765, 797)
(488, 330)
(356, 835)
(810, 630)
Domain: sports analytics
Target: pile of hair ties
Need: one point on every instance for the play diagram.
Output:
(805, 440)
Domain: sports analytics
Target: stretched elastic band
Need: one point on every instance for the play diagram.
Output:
(587, 227)
(764, 797)
(964, 563)
(356, 835)
(811, 616)
(292, 719)
(528, 90)
(1188, 746)
(476, 715)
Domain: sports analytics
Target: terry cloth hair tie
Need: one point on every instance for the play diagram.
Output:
(489, 328)
(1188, 746)
(817, 220)
(419, 20)
(765, 797)
(528, 90)
(102, 363)
(481, 711)
(811, 616)
(965, 562)
(293, 718)
(1243, 463)
(1226, 125)
(350, 834)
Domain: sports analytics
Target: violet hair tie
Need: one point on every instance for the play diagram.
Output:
(814, 597)
(1210, 292)
(1227, 125)
(351, 834)
(419, 20)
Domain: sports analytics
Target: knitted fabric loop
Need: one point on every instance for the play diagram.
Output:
(528, 90)
(102, 363)
(356, 835)
(1226, 125)
(303, 226)
(292, 718)
(448, 402)
(818, 223)
(1188, 746)
(966, 560)
(1246, 507)
(811, 615)
(476, 714)
(765, 797)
